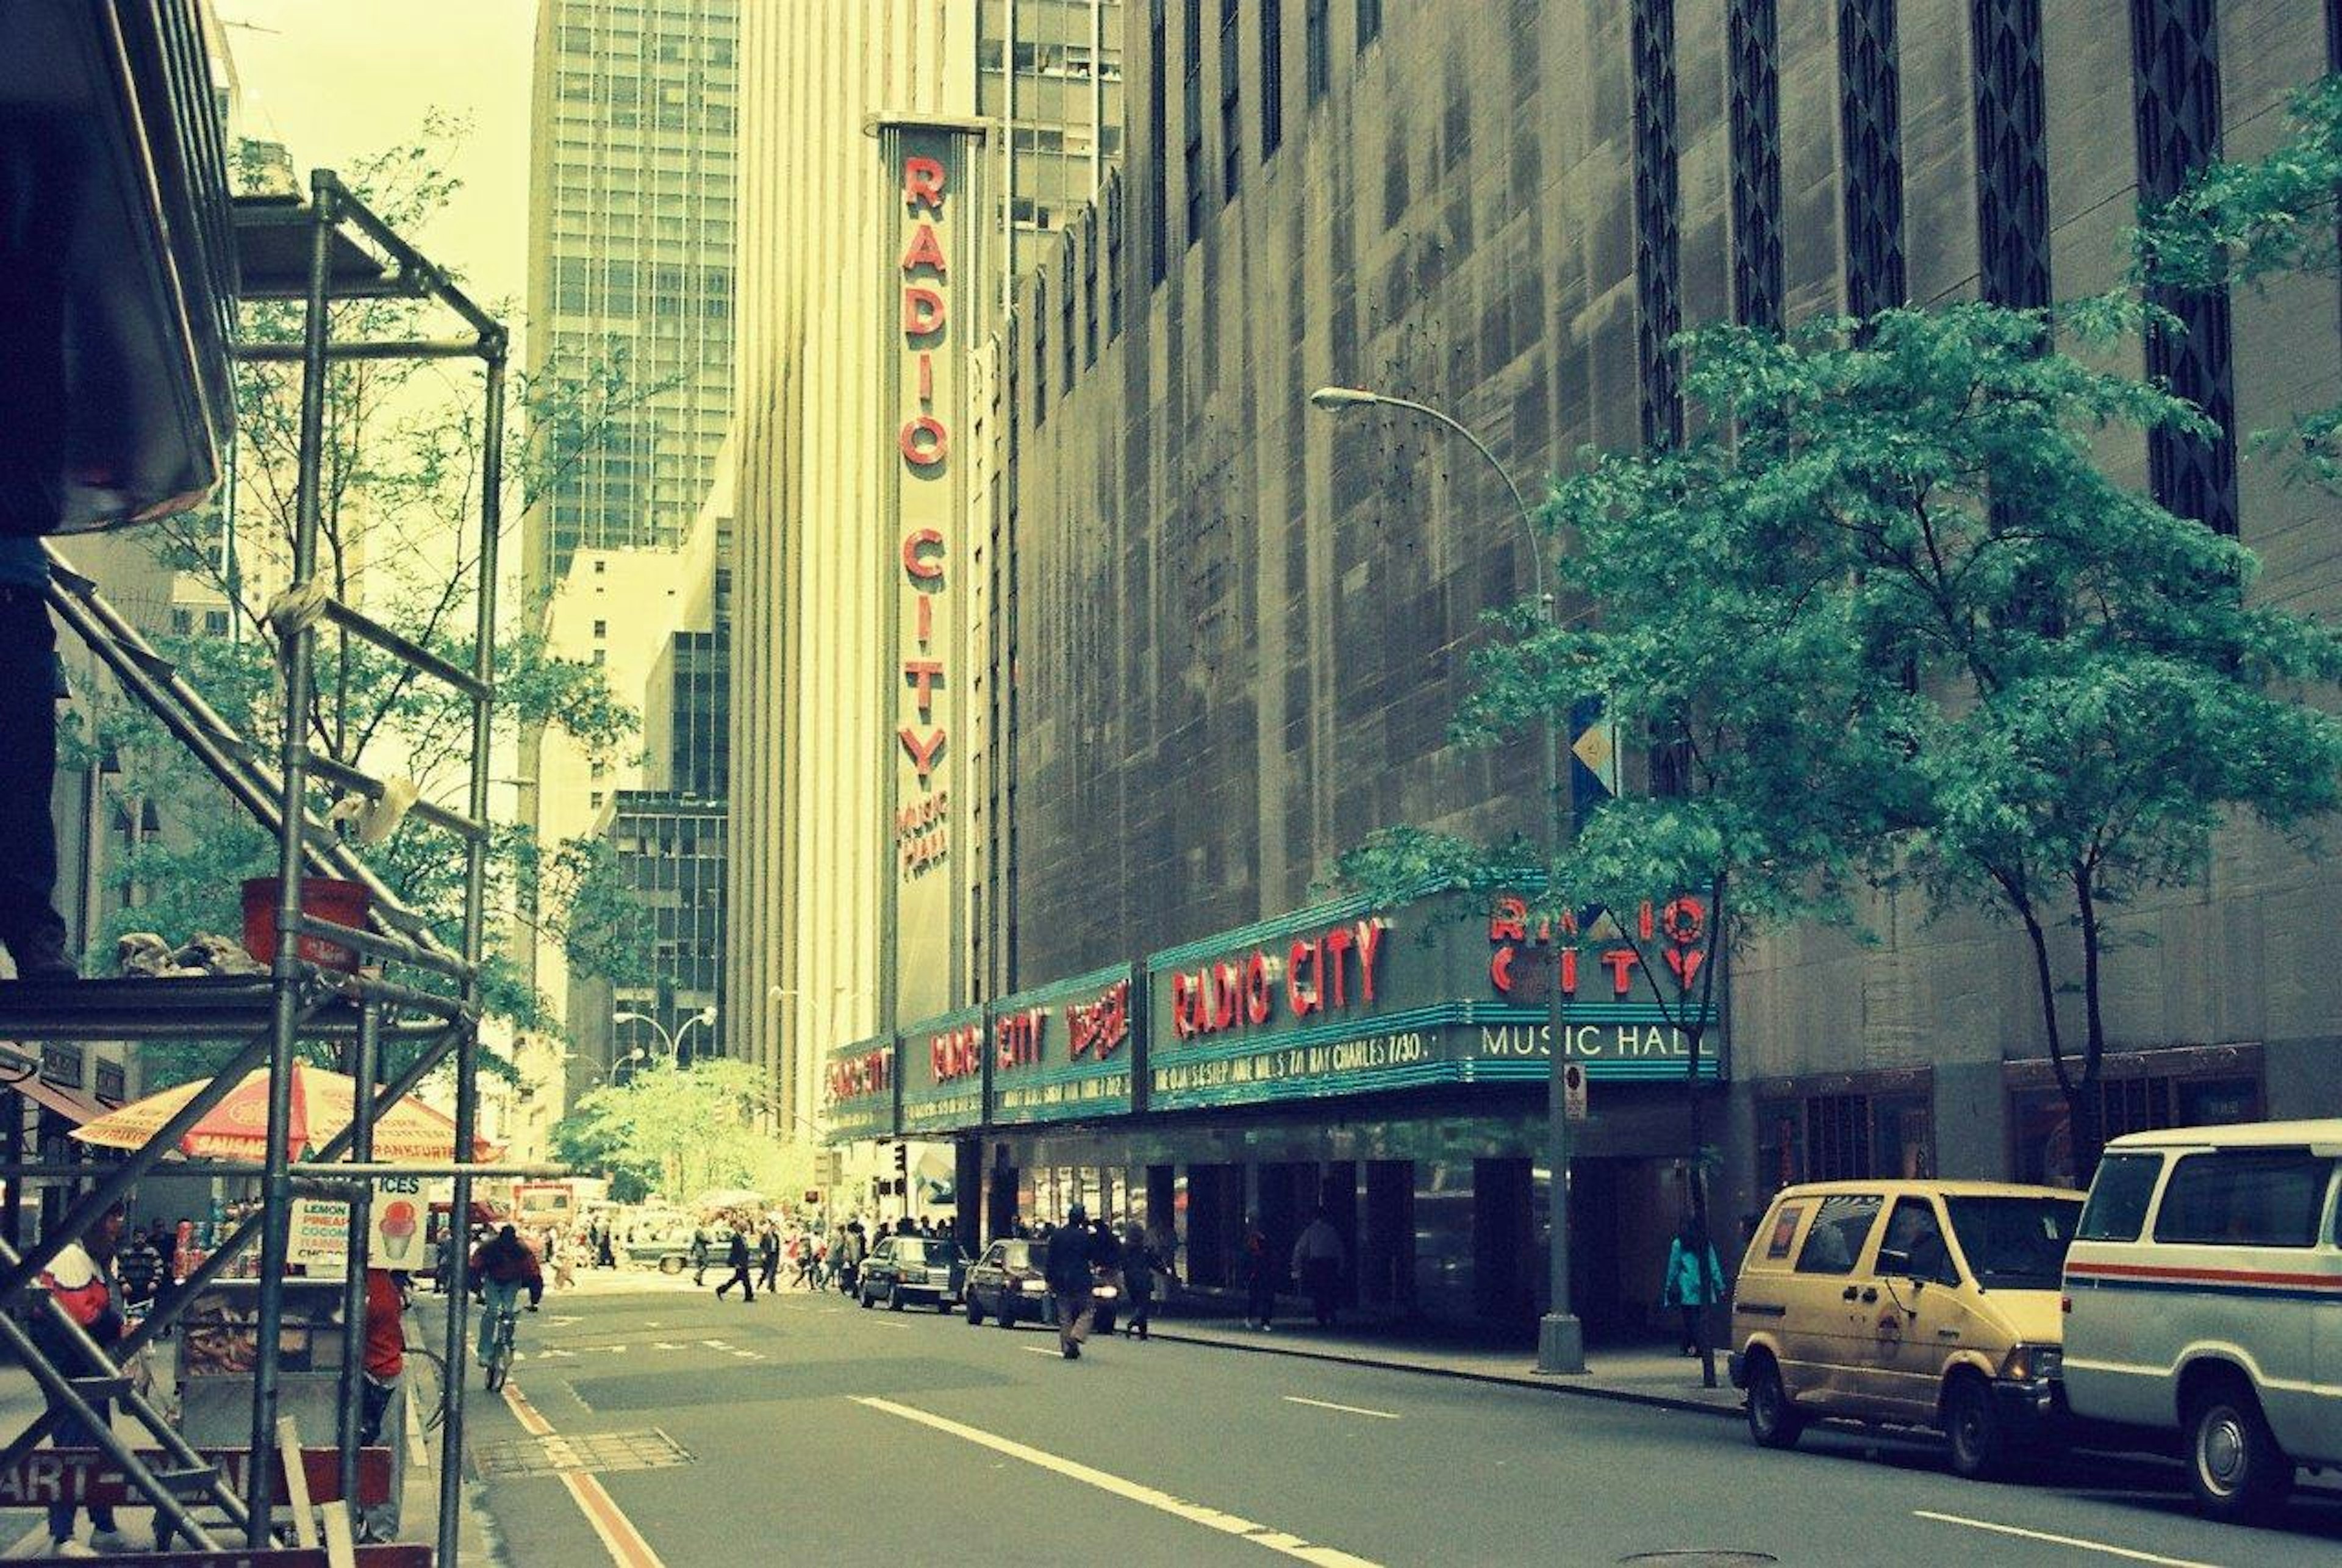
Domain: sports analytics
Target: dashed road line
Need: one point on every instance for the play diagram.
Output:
(1347, 1409)
(2075, 1542)
(1275, 1540)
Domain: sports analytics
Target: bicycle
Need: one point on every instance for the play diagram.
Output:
(501, 1344)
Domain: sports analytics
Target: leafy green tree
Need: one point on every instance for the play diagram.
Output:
(398, 535)
(2251, 221)
(681, 1131)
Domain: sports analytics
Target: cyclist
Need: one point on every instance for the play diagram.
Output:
(500, 1267)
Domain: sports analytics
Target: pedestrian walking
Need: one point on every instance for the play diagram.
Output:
(1071, 1256)
(735, 1258)
(853, 1247)
(140, 1265)
(606, 1255)
(1259, 1278)
(1139, 1266)
(80, 1279)
(1695, 1281)
(1318, 1258)
(699, 1255)
(768, 1258)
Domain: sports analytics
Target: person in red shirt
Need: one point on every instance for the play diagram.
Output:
(383, 1393)
(80, 1280)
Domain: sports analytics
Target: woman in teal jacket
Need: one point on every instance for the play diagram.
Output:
(1695, 1281)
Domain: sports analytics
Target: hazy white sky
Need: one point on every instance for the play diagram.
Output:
(332, 79)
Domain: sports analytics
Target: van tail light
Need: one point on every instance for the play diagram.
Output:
(2066, 1305)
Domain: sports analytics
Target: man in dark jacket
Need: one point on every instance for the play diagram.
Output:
(735, 1258)
(1067, 1272)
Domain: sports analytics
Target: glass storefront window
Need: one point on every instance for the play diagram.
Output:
(2041, 1131)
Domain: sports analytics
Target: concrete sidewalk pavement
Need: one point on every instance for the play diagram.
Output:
(1638, 1375)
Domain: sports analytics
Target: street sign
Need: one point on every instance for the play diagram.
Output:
(1573, 1090)
(1594, 753)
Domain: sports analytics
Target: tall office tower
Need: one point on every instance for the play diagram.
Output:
(819, 885)
(631, 215)
(1061, 107)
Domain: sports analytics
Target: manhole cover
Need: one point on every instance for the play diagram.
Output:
(1703, 1558)
(598, 1451)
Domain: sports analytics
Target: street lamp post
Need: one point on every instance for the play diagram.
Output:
(1561, 1339)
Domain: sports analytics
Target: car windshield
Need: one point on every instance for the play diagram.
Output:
(1019, 1256)
(2015, 1244)
(929, 1252)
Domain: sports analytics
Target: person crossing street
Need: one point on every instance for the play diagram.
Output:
(1072, 1251)
(735, 1258)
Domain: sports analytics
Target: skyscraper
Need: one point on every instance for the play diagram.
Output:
(813, 853)
(630, 232)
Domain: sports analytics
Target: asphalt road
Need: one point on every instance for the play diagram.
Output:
(817, 1432)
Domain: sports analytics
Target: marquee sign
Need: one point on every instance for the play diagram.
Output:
(857, 1090)
(1065, 1050)
(933, 256)
(943, 1072)
(1345, 999)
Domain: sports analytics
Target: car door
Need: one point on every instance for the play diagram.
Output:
(1916, 1316)
(1825, 1327)
(984, 1280)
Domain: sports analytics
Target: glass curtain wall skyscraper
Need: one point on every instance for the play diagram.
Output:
(631, 242)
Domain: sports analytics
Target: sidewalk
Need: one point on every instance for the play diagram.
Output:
(1632, 1375)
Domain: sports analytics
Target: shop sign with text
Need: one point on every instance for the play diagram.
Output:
(1346, 999)
(943, 1072)
(1065, 1050)
(857, 1090)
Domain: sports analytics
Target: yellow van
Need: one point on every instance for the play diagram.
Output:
(1905, 1303)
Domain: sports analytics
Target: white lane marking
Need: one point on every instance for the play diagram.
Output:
(2075, 1542)
(1042, 1350)
(1351, 1409)
(1193, 1513)
(887, 1322)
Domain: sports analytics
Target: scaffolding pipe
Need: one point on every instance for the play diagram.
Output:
(475, 893)
(181, 1452)
(365, 1053)
(62, 1393)
(422, 348)
(296, 652)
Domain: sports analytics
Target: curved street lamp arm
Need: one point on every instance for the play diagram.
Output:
(1520, 504)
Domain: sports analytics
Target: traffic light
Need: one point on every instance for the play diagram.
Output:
(902, 1159)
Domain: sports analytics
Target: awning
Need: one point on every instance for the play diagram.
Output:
(71, 1103)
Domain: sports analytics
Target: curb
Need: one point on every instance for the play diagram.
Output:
(1556, 1384)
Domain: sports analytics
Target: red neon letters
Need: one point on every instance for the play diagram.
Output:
(1329, 972)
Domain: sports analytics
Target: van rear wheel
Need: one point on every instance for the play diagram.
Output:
(2234, 1464)
(1979, 1440)
(1773, 1421)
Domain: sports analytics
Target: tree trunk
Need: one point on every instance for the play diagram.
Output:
(1703, 1242)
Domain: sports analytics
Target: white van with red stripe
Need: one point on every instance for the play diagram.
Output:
(2203, 1292)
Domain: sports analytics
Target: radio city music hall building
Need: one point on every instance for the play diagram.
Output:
(1225, 633)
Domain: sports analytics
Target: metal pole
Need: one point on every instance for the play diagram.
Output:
(363, 1054)
(1561, 1338)
(295, 655)
(476, 886)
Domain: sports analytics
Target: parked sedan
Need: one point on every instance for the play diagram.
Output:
(905, 1269)
(1008, 1284)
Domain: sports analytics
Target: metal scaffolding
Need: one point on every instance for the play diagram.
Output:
(328, 249)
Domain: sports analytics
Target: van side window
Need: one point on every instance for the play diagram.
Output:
(2244, 1197)
(1785, 1231)
(2118, 1207)
(1916, 1238)
(1840, 1227)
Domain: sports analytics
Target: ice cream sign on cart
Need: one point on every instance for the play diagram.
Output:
(319, 1238)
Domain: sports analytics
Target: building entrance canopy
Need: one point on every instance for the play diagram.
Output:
(1338, 1000)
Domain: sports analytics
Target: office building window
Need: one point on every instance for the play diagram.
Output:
(1272, 76)
(2012, 154)
(2176, 72)
(1231, 94)
(1657, 284)
(1370, 21)
(1317, 49)
(1191, 96)
(1756, 108)
(1870, 116)
(1159, 199)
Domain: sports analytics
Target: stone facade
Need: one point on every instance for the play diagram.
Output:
(1240, 626)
